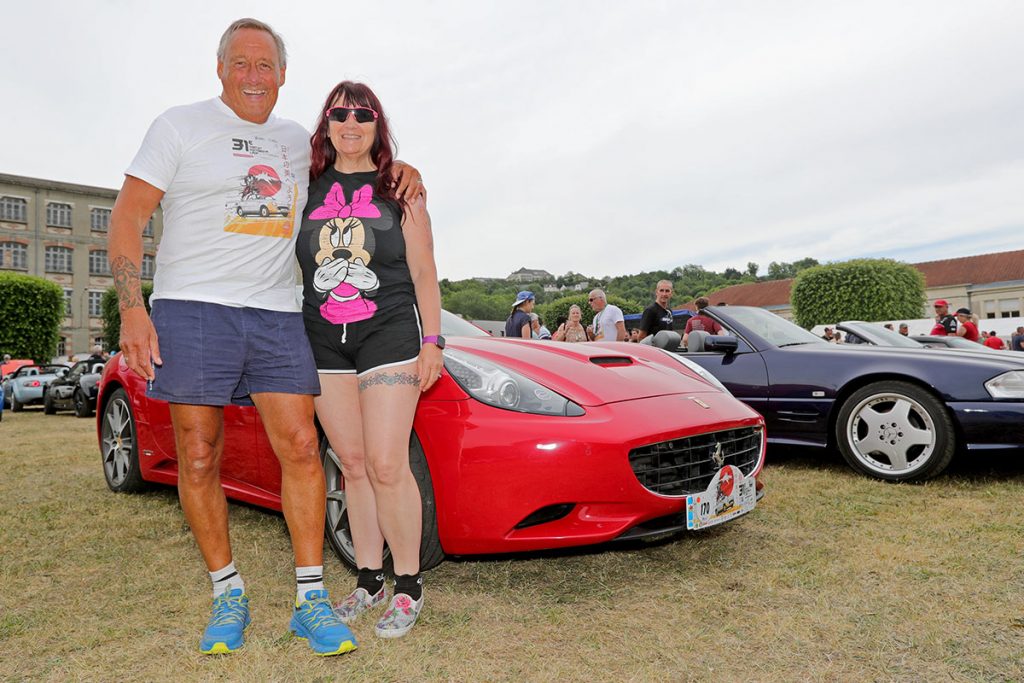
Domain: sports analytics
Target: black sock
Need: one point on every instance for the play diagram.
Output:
(410, 584)
(370, 580)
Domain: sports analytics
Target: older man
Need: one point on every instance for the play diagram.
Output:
(609, 324)
(226, 326)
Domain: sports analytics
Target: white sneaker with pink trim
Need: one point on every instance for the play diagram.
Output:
(400, 616)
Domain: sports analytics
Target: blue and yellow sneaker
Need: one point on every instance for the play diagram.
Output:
(315, 622)
(226, 631)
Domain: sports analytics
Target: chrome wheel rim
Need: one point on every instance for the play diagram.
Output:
(337, 509)
(891, 433)
(118, 438)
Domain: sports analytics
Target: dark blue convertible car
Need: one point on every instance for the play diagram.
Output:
(894, 413)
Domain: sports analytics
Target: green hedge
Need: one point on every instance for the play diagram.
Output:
(112, 315)
(861, 289)
(31, 311)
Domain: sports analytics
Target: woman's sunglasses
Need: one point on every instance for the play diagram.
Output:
(362, 114)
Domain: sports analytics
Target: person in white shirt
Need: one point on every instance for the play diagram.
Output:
(608, 324)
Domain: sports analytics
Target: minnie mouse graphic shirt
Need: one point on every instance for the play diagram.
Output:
(351, 251)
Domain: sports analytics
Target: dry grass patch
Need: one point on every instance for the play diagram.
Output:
(833, 578)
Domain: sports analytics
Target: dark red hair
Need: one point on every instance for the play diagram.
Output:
(382, 153)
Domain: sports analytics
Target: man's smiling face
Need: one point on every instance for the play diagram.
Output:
(251, 74)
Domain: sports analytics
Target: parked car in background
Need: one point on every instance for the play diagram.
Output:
(2, 402)
(25, 385)
(857, 332)
(894, 413)
(936, 342)
(77, 390)
(521, 445)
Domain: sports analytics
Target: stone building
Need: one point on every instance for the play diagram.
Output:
(58, 231)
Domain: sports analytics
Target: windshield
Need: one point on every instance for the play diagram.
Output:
(454, 326)
(771, 327)
(878, 334)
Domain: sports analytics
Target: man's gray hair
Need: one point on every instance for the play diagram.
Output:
(598, 294)
(248, 22)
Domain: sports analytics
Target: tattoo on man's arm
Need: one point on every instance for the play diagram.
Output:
(127, 283)
(389, 378)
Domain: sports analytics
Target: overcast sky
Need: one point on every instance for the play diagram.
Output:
(605, 138)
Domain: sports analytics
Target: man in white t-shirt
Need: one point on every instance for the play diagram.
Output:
(608, 325)
(226, 326)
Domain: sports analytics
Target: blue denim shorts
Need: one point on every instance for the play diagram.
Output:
(218, 355)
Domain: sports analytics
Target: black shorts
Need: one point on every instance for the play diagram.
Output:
(391, 337)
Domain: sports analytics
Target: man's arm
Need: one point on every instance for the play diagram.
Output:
(620, 331)
(407, 181)
(134, 206)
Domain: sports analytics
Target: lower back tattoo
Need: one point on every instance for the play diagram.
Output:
(389, 378)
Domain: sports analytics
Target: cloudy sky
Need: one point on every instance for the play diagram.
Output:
(599, 137)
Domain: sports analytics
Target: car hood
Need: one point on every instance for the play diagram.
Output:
(590, 374)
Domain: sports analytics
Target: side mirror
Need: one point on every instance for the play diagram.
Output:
(722, 343)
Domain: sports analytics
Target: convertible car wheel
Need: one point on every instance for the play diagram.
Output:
(82, 407)
(264, 211)
(16, 405)
(895, 431)
(48, 407)
(120, 449)
(337, 525)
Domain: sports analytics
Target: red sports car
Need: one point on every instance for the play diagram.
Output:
(521, 445)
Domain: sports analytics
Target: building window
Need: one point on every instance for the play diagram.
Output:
(95, 304)
(148, 230)
(62, 346)
(148, 267)
(100, 219)
(13, 256)
(58, 215)
(13, 209)
(99, 341)
(58, 260)
(1009, 308)
(98, 262)
(67, 302)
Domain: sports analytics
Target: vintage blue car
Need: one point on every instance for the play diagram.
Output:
(25, 385)
(894, 413)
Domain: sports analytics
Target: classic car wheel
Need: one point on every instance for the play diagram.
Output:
(895, 431)
(337, 527)
(119, 447)
(264, 211)
(238, 210)
(82, 408)
(16, 405)
(48, 407)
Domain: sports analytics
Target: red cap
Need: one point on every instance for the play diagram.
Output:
(942, 302)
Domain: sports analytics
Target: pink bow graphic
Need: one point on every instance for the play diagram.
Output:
(335, 206)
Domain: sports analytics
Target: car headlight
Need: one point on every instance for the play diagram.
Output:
(502, 388)
(1007, 385)
(700, 370)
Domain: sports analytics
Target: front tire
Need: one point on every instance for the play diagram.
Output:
(895, 431)
(337, 527)
(119, 445)
(264, 211)
(48, 407)
(82, 408)
(16, 405)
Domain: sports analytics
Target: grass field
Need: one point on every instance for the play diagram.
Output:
(833, 577)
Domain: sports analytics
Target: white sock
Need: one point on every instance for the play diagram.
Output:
(308, 579)
(225, 579)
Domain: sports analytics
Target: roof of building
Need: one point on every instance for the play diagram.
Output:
(43, 184)
(1004, 266)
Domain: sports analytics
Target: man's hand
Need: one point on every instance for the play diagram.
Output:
(139, 343)
(407, 181)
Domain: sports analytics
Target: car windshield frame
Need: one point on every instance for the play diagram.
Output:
(454, 326)
(879, 335)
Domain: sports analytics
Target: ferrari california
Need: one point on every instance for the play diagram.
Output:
(522, 445)
(894, 413)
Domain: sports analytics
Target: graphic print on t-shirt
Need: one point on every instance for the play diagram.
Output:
(344, 248)
(264, 198)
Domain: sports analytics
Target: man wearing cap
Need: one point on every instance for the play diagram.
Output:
(518, 322)
(945, 323)
(609, 323)
(967, 328)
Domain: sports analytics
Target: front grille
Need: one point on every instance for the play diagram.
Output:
(686, 465)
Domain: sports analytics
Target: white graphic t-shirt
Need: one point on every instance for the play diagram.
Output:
(234, 192)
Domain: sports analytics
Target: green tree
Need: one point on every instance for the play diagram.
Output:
(32, 309)
(862, 289)
(112, 315)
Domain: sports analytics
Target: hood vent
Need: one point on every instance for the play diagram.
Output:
(611, 360)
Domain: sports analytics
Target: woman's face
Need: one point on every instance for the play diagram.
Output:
(575, 314)
(350, 138)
